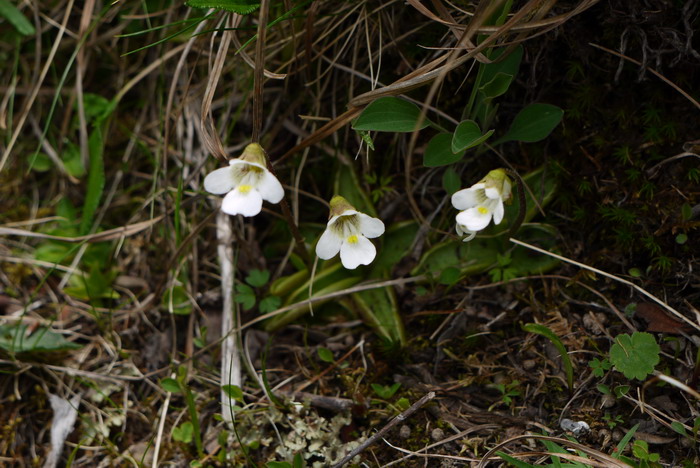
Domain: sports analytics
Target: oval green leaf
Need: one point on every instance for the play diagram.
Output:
(171, 385)
(439, 151)
(468, 135)
(390, 114)
(534, 123)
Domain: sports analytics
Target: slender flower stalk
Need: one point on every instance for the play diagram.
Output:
(348, 233)
(481, 203)
(246, 183)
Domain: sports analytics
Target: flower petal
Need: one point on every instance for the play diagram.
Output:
(246, 204)
(219, 181)
(270, 188)
(492, 192)
(328, 245)
(498, 211)
(467, 198)
(474, 219)
(370, 227)
(361, 252)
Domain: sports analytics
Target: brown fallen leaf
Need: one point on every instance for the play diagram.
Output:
(659, 321)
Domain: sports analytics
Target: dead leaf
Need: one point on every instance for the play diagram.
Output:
(659, 321)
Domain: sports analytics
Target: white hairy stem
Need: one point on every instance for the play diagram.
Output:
(230, 359)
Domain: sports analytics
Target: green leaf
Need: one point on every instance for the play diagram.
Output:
(16, 339)
(245, 296)
(498, 85)
(509, 65)
(390, 114)
(439, 151)
(380, 311)
(681, 238)
(233, 391)
(41, 162)
(72, 162)
(636, 355)
(624, 441)
(92, 286)
(449, 276)
(686, 212)
(242, 7)
(258, 278)
(325, 354)
(386, 391)
(171, 385)
(278, 464)
(451, 181)
(514, 461)
(565, 359)
(396, 245)
(16, 18)
(184, 432)
(298, 461)
(269, 304)
(468, 135)
(533, 123)
(97, 108)
(96, 180)
(679, 428)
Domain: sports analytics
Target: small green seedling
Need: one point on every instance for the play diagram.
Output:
(385, 392)
(325, 354)
(599, 367)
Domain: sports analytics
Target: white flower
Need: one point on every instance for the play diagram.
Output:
(246, 183)
(481, 203)
(348, 232)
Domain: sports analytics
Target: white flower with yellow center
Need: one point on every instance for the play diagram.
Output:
(348, 232)
(246, 183)
(481, 203)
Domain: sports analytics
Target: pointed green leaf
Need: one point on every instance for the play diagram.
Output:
(439, 151)
(534, 123)
(556, 341)
(468, 135)
(498, 85)
(96, 180)
(242, 7)
(16, 18)
(390, 114)
(15, 339)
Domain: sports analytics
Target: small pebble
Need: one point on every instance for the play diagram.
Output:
(437, 434)
(405, 432)
(607, 401)
(617, 435)
(577, 428)
(529, 364)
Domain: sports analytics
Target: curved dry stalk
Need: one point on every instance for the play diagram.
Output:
(613, 277)
(604, 459)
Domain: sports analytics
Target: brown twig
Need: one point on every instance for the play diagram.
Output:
(400, 418)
